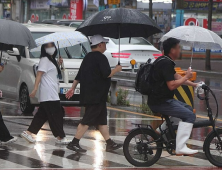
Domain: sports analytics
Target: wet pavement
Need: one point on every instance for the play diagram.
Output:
(46, 154)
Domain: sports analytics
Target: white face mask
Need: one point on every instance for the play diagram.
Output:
(50, 50)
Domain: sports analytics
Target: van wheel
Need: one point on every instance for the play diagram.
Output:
(25, 105)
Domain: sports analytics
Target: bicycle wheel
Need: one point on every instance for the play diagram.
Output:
(212, 148)
(140, 149)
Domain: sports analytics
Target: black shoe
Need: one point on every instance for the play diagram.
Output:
(113, 146)
(76, 148)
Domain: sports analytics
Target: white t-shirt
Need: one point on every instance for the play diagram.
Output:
(49, 85)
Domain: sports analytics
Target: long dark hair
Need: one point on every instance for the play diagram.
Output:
(52, 59)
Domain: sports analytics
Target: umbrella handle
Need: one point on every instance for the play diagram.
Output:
(58, 48)
(59, 54)
(1, 58)
(118, 62)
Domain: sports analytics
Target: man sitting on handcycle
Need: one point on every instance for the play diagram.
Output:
(161, 100)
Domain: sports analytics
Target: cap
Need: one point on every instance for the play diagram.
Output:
(96, 39)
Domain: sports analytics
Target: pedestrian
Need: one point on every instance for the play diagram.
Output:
(94, 77)
(161, 100)
(5, 137)
(50, 109)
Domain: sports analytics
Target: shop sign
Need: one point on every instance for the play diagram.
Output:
(58, 3)
(5, 1)
(76, 9)
(199, 0)
(216, 25)
(202, 50)
(39, 4)
(198, 5)
(113, 1)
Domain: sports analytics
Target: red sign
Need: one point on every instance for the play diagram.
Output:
(76, 9)
(33, 18)
(191, 21)
(37, 17)
(216, 26)
(64, 16)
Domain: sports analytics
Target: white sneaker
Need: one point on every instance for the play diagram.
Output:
(63, 141)
(27, 137)
(13, 140)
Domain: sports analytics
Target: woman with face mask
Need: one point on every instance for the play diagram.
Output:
(50, 109)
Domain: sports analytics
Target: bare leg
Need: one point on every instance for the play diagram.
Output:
(81, 130)
(104, 131)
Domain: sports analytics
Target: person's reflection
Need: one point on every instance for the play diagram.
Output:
(75, 157)
(58, 152)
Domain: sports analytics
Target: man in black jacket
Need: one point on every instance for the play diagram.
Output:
(5, 137)
(95, 78)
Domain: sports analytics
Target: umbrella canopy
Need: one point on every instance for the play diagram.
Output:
(63, 39)
(14, 33)
(119, 23)
(195, 36)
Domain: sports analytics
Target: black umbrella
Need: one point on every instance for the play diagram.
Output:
(119, 23)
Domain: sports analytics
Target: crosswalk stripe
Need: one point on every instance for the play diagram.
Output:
(6, 164)
(187, 159)
(39, 153)
(22, 160)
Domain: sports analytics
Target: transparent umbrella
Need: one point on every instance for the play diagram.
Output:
(195, 37)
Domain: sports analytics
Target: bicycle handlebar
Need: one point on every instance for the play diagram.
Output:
(206, 97)
(205, 88)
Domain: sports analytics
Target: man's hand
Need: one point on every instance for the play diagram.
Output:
(33, 93)
(70, 93)
(60, 61)
(1, 68)
(118, 68)
(189, 73)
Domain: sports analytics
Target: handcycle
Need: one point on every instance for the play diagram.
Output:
(143, 146)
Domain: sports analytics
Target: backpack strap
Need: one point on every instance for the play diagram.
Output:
(162, 58)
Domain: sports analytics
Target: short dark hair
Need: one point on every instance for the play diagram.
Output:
(169, 44)
(94, 46)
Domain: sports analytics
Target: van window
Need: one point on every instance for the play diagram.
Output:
(133, 41)
(75, 52)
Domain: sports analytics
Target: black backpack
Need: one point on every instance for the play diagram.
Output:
(144, 77)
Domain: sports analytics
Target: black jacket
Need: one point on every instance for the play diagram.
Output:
(93, 76)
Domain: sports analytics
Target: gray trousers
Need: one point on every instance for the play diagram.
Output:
(176, 109)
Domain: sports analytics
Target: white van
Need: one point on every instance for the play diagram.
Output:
(18, 78)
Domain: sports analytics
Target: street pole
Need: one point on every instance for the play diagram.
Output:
(207, 59)
(151, 16)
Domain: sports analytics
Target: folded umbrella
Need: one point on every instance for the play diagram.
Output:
(119, 23)
(195, 37)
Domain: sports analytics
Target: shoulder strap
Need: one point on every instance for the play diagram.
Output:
(162, 58)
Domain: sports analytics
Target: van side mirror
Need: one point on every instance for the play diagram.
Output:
(15, 52)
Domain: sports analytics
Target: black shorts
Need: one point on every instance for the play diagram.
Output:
(95, 114)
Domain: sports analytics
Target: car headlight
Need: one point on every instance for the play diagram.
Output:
(35, 69)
